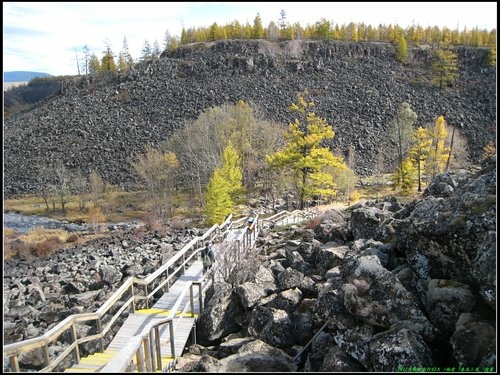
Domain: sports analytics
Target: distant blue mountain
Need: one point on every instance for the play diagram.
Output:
(22, 76)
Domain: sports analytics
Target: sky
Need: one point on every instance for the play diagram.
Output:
(48, 37)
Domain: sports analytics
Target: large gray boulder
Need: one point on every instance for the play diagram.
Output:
(336, 360)
(365, 221)
(273, 326)
(110, 274)
(290, 278)
(286, 300)
(218, 318)
(332, 227)
(446, 301)
(264, 278)
(257, 356)
(474, 342)
(398, 349)
(374, 295)
(442, 185)
(330, 254)
(250, 294)
(454, 237)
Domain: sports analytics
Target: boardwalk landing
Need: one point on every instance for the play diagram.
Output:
(135, 323)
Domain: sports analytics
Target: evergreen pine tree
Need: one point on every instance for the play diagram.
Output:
(218, 201)
(438, 153)
(231, 170)
(419, 151)
(404, 176)
(147, 52)
(400, 131)
(401, 48)
(94, 64)
(305, 155)
(258, 31)
(108, 60)
(445, 67)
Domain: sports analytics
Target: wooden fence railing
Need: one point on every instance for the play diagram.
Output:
(162, 278)
(145, 347)
(128, 290)
(286, 218)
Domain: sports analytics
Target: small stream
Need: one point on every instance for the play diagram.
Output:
(24, 223)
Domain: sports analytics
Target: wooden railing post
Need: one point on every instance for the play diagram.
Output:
(200, 297)
(152, 350)
(158, 347)
(99, 330)
(133, 296)
(147, 354)
(191, 300)
(46, 358)
(76, 352)
(139, 356)
(168, 282)
(146, 295)
(14, 363)
(172, 343)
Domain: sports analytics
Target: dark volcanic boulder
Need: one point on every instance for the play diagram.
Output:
(257, 356)
(393, 350)
(218, 317)
(374, 295)
(454, 237)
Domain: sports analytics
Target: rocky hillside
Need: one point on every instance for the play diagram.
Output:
(98, 123)
(425, 297)
(350, 295)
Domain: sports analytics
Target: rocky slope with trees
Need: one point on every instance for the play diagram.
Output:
(366, 298)
(348, 294)
(97, 123)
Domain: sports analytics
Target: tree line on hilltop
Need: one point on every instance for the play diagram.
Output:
(444, 38)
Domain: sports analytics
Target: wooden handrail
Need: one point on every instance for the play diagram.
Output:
(13, 350)
(50, 336)
(122, 361)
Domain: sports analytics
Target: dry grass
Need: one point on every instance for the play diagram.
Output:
(119, 206)
(39, 242)
(373, 187)
(27, 205)
(41, 234)
(116, 206)
(379, 187)
(8, 232)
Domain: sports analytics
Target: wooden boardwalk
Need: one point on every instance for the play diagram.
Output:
(146, 334)
(136, 322)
